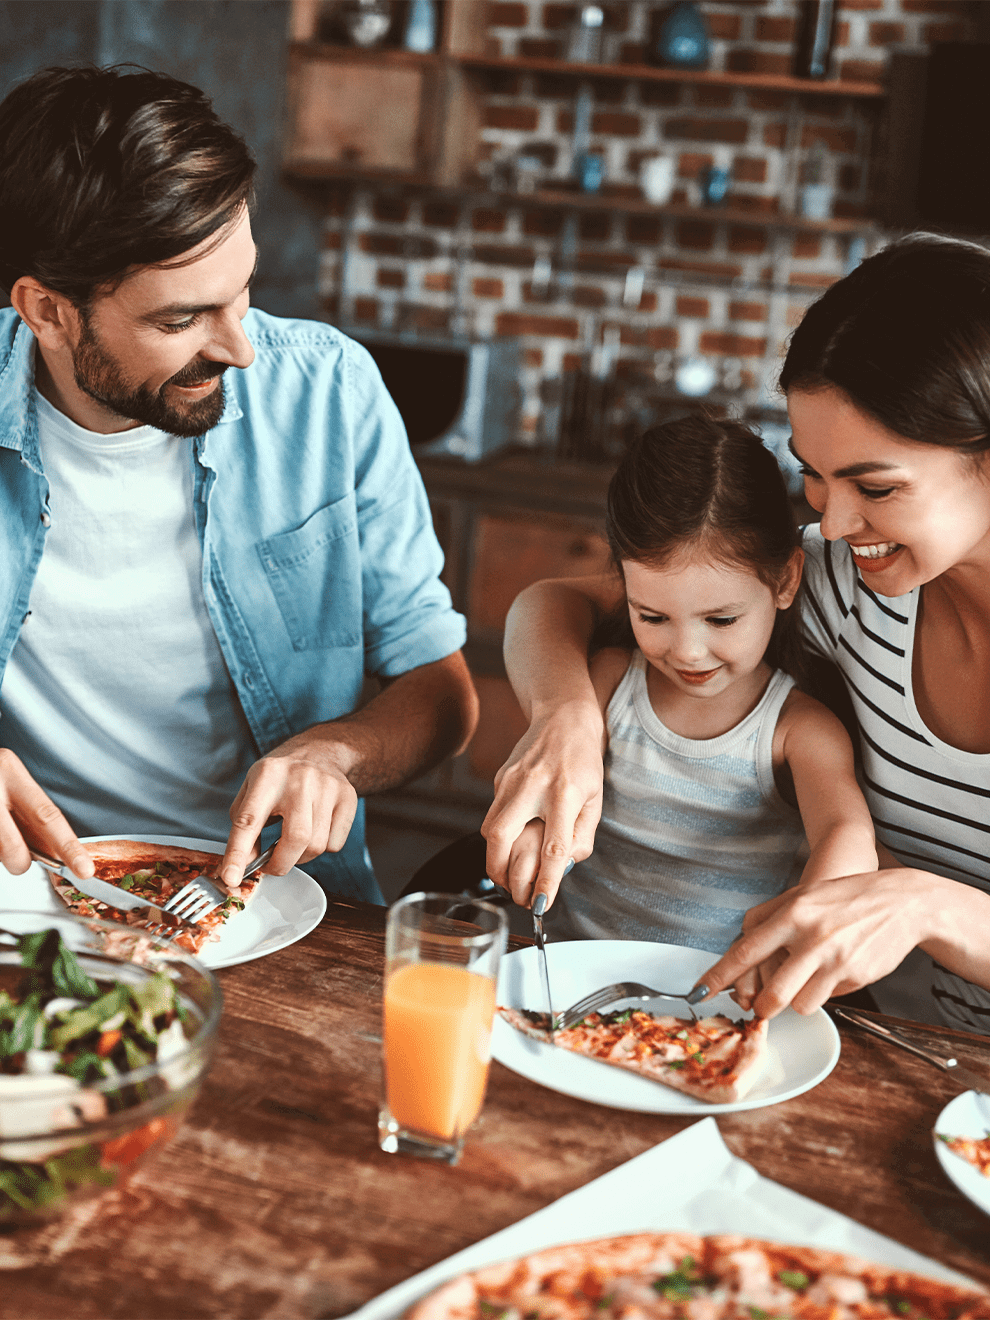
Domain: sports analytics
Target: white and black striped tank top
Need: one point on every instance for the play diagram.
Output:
(930, 801)
(693, 831)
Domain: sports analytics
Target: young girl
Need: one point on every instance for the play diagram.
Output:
(716, 766)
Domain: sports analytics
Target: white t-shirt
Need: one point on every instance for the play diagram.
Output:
(116, 696)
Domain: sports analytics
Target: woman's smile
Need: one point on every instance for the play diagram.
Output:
(876, 556)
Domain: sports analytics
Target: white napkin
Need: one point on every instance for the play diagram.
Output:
(691, 1181)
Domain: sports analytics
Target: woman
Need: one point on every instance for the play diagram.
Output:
(888, 388)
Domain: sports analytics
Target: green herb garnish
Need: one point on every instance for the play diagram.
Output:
(682, 1284)
(794, 1279)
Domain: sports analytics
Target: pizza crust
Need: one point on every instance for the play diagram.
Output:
(732, 1064)
(736, 1275)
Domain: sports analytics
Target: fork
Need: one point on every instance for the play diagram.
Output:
(147, 916)
(611, 994)
(199, 896)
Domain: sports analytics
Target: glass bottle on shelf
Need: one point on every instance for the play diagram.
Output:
(584, 41)
(715, 178)
(815, 195)
(421, 26)
(815, 38)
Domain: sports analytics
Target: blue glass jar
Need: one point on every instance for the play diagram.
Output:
(680, 38)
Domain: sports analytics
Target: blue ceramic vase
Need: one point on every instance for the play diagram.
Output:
(681, 40)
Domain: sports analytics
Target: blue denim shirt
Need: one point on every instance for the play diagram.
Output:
(319, 559)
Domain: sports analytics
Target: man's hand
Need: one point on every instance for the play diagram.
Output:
(313, 780)
(313, 796)
(29, 818)
(555, 774)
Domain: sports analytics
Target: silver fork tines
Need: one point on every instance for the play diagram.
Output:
(195, 899)
(200, 896)
(613, 994)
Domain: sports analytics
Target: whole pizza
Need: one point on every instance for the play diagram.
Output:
(154, 872)
(713, 1058)
(681, 1276)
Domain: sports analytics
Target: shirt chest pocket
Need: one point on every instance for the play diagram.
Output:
(314, 572)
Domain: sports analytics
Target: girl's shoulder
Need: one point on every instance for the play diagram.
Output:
(806, 723)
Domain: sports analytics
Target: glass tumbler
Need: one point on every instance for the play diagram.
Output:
(441, 965)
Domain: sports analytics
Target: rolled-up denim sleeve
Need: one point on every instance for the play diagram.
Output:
(407, 612)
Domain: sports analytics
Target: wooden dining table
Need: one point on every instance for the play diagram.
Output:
(274, 1201)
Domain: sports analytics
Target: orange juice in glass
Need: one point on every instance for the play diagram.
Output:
(441, 965)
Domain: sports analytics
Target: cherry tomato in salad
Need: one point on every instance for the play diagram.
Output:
(126, 1149)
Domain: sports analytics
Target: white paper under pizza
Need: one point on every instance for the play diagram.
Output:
(691, 1181)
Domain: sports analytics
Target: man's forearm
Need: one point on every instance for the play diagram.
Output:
(410, 726)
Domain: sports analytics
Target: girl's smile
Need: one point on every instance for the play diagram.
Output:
(704, 627)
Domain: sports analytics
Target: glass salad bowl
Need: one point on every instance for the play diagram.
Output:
(106, 1034)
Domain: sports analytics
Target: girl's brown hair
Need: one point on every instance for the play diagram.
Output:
(708, 485)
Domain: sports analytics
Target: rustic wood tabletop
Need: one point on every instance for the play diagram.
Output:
(274, 1201)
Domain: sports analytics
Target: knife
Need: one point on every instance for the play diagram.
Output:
(539, 907)
(971, 1079)
(113, 895)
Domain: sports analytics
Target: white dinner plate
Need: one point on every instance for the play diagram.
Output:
(802, 1050)
(966, 1116)
(283, 910)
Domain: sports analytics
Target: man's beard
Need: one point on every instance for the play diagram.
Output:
(98, 375)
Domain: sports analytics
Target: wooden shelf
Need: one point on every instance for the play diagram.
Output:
(376, 55)
(550, 198)
(651, 73)
(774, 82)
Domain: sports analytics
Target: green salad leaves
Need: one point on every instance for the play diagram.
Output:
(97, 1030)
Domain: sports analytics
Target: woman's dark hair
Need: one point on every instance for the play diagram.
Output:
(906, 336)
(704, 484)
(105, 169)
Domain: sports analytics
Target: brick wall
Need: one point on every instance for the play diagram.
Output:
(730, 292)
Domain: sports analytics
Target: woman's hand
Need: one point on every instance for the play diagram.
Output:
(824, 939)
(554, 775)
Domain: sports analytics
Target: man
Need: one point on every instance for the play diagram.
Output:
(211, 526)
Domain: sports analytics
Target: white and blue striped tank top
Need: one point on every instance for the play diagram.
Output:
(930, 801)
(693, 832)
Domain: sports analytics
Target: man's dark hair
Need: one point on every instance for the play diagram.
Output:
(102, 170)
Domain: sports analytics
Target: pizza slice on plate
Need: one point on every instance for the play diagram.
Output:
(975, 1150)
(713, 1059)
(154, 872)
(681, 1276)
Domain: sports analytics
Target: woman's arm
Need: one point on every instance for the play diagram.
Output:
(830, 939)
(606, 670)
(819, 755)
(555, 771)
